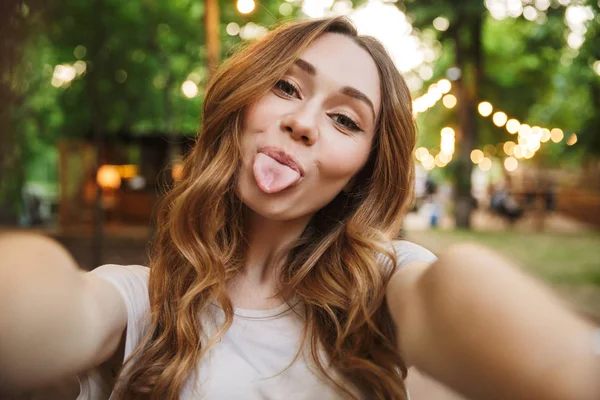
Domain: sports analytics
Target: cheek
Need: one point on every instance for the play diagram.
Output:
(262, 113)
(256, 120)
(344, 159)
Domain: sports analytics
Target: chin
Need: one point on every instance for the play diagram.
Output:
(273, 212)
(276, 207)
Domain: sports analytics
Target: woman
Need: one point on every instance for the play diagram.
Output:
(274, 273)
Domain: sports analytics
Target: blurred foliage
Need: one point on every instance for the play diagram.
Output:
(528, 71)
(16, 24)
(589, 53)
(137, 55)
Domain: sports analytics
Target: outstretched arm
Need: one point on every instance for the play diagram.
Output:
(474, 322)
(55, 321)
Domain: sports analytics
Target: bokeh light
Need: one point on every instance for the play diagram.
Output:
(485, 108)
(286, 9)
(524, 130)
(232, 29)
(556, 135)
(189, 89)
(512, 126)
(449, 101)
(441, 24)
(530, 13)
(316, 8)
(444, 85)
(121, 76)
(79, 52)
(428, 162)
(499, 118)
(485, 164)
(511, 164)
(596, 67)
(476, 156)
(421, 153)
(108, 177)
(509, 147)
(246, 6)
(545, 135)
(518, 151)
(389, 25)
(447, 131)
(80, 67)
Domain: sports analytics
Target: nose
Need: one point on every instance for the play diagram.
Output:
(301, 124)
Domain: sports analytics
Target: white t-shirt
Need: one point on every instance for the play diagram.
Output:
(252, 359)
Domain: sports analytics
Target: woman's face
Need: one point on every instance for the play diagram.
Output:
(304, 141)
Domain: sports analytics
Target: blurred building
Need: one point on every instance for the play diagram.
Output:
(133, 173)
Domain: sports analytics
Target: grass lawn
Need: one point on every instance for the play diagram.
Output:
(570, 262)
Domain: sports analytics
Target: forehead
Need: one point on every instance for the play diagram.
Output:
(338, 58)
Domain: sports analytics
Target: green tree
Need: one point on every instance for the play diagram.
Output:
(519, 65)
(17, 22)
(136, 56)
(464, 37)
(588, 67)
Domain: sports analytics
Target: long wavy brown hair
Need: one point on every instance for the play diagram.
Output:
(332, 269)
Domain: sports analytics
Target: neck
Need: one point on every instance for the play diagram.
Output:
(267, 242)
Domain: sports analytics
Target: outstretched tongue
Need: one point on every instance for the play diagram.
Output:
(272, 176)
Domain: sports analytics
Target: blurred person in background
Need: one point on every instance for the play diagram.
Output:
(276, 272)
(504, 203)
(434, 205)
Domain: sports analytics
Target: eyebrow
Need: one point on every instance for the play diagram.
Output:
(346, 90)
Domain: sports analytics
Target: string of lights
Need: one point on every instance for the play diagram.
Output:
(435, 93)
(529, 138)
(528, 141)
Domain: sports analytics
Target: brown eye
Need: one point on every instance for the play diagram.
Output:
(346, 122)
(286, 88)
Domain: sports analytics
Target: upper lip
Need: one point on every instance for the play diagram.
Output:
(282, 157)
